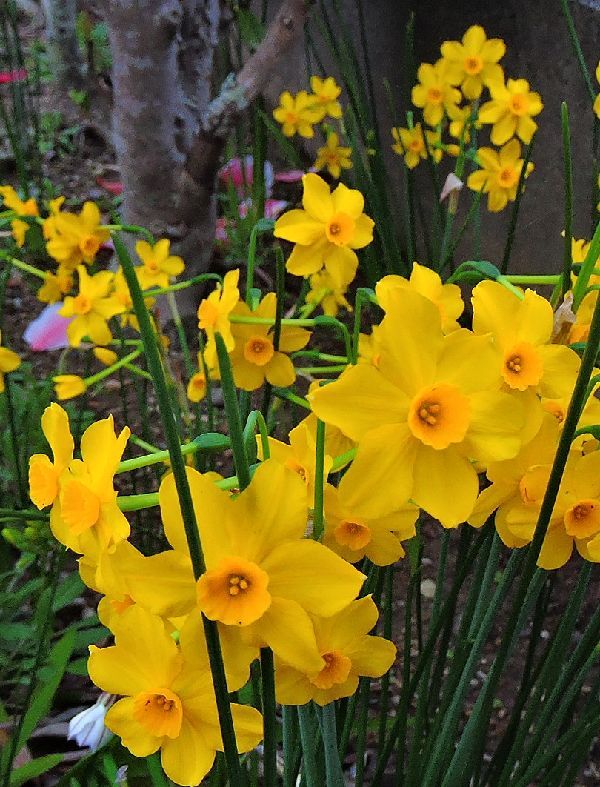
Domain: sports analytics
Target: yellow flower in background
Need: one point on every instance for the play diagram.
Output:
(299, 455)
(68, 386)
(263, 578)
(55, 285)
(76, 238)
(349, 652)
(105, 356)
(91, 308)
(88, 519)
(327, 231)
(169, 700)
(254, 358)
(597, 101)
(522, 479)
(354, 537)
(410, 143)
(459, 125)
(473, 62)
(49, 224)
(511, 111)
(333, 157)
(430, 407)
(325, 94)
(434, 93)
(326, 293)
(9, 361)
(158, 264)
(22, 208)
(575, 519)
(44, 475)
(297, 114)
(197, 386)
(447, 297)
(499, 174)
(336, 442)
(213, 315)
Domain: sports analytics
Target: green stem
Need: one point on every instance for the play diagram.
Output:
(24, 266)
(267, 672)
(232, 411)
(185, 502)
(14, 435)
(206, 442)
(568, 220)
(333, 768)
(587, 269)
(309, 745)
(514, 215)
(363, 296)
(319, 481)
(182, 285)
(578, 53)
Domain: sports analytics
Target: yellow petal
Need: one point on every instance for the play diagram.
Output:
(287, 629)
(187, 759)
(134, 736)
(298, 226)
(437, 472)
(316, 199)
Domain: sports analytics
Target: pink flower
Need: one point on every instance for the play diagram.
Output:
(49, 330)
(6, 77)
(232, 172)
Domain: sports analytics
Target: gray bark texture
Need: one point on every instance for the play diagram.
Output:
(169, 134)
(65, 58)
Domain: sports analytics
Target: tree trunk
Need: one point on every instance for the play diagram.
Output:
(66, 62)
(169, 135)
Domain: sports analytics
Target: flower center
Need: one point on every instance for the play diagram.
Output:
(508, 177)
(89, 246)
(336, 670)
(532, 485)
(299, 470)
(235, 592)
(583, 519)
(416, 145)
(340, 229)
(354, 535)
(259, 350)
(79, 506)
(159, 711)
(439, 416)
(152, 266)
(473, 64)
(434, 95)
(518, 104)
(522, 366)
(556, 409)
(82, 304)
(291, 118)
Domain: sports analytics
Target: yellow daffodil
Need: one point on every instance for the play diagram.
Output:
(336, 442)
(254, 358)
(410, 143)
(325, 292)
(299, 455)
(22, 208)
(575, 519)
(447, 297)
(9, 361)
(326, 231)
(76, 238)
(68, 386)
(44, 475)
(433, 93)
(105, 356)
(169, 701)
(597, 100)
(354, 537)
(325, 94)
(213, 315)
(262, 577)
(91, 308)
(196, 389)
(420, 417)
(521, 480)
(349, 652)
(56, 285)
(158, 265)
(87, 518)
(511, 111)
(49, 224)
(499, 174)
(297, 114)
(473, 62)
(333, 157)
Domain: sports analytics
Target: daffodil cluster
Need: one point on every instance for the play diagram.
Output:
(450, 94)
(300, 113)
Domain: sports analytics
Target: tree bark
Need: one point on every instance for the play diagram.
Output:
(65, 58)
(169, 135)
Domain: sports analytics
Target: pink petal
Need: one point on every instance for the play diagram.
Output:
(290, 176)
(114, 187)
(13, 76)
(49, 330)
(273, 207)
